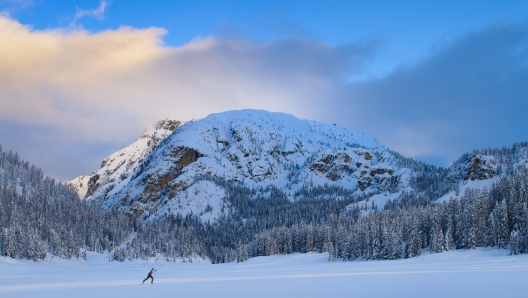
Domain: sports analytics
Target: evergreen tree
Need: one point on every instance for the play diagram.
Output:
(240, 252)
(515, 243)
(502, 228)
(491, 235)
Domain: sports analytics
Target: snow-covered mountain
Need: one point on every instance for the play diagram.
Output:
(255, 148)
(170, 168)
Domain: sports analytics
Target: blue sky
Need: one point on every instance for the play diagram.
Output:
(430, 79)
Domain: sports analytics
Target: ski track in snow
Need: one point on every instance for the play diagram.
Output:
(482, 272)
(239, 278)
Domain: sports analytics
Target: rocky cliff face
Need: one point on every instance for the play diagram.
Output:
(475, 167)
(487, 164)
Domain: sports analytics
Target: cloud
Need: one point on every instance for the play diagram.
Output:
(97, 13)
(468, 94)
(59, 77)
(105, 87)
(68, 89)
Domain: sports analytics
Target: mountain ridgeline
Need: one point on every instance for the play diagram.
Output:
(255, 149)
(251, 183)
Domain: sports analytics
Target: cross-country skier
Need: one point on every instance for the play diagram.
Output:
(150, 276)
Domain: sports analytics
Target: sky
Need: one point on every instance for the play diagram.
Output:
(80, 80)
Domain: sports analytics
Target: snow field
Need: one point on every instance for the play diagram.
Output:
(483, 272)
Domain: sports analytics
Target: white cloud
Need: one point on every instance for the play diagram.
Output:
(97, 13)
(71, 78)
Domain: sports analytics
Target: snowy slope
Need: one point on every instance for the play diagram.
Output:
(80, 184)
(123, 163)
(457, 273)
(253, 147)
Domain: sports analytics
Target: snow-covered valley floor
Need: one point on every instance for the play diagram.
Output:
(465, 273)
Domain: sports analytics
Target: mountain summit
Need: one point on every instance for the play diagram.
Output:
(251, 147)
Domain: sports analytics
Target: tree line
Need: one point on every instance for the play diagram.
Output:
(41, 217)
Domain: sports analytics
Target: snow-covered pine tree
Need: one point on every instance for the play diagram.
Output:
(515, 243)
(491, 234)
(240, 252)
(502, 227)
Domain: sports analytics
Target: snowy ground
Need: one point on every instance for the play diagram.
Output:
(470, 273)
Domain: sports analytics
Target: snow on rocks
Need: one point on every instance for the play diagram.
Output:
(120, 165)
(253, 147)
(257, 149)
(203, 198)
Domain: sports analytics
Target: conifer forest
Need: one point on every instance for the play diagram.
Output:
(41, 217)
